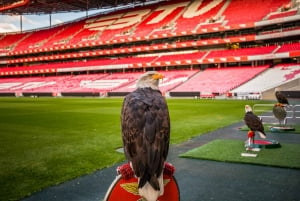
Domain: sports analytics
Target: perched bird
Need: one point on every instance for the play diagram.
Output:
(254, 123)
(279, 112)
(281, 98)
(145, 125)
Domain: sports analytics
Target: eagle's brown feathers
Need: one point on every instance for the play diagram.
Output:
(145, 125)
(253, 122)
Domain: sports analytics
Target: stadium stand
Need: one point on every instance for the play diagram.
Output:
(241, 52)
(270, 78)
(195, 15)
(8, 41)
(282, 14)
(289, 47)
(216, 81)
(63, 36)
(204, 48)
(34, 40)
(171, 80)
(102, 83)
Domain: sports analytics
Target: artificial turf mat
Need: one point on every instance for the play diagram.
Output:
(288, 155)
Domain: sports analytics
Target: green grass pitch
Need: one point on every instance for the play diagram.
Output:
(46, 141)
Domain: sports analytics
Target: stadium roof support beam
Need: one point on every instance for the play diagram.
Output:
(54, 6)
(15, 4)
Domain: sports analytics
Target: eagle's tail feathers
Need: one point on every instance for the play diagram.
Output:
(151, 179)
(154, 183)
(262, 135)
(149, 192)
(142, 181)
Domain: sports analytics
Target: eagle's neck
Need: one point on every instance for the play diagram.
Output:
(152, 87)
(148, 85)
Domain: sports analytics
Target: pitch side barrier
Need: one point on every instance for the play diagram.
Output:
(293, 111)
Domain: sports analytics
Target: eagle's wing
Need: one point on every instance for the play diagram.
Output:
(253, 122)
(145, 126)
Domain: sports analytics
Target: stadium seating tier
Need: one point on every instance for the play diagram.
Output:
(120, 37)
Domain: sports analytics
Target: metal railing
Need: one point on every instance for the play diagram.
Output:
(293, 111)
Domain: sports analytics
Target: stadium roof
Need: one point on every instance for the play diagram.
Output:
(12, 7)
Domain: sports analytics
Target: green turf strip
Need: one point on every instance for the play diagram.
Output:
(230, 151)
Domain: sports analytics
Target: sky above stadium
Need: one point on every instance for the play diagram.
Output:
(11, 23)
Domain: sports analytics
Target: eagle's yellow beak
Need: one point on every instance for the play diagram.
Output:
(157, 76)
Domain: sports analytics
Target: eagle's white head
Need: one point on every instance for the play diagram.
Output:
(149, 79)
(248, 108)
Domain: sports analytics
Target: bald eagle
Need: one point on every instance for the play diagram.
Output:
(281, 98)
(145, 125)
(253, 122)
(279, 112)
